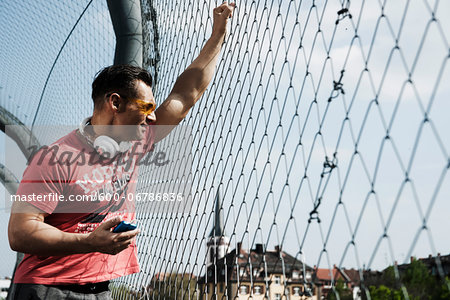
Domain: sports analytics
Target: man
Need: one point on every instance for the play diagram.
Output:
(71, 249)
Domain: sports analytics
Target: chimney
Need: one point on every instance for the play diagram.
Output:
(277, 248)
(412, 258)
(239, 246)
(259, 248)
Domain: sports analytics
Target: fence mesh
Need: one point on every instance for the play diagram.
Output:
(320, 158)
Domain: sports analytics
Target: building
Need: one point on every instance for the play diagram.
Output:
(437, 265)
(259, 274)
(324, 279)
(256, 273)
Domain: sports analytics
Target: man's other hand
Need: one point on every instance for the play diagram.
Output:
(221, 14)
(104, 240)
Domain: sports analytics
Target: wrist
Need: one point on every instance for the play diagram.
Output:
(85, 242)
(217, 35)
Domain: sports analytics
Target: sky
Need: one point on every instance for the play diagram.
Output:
(266, 125)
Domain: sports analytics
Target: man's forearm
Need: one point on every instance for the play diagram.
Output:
(195, 79)
(28, 233)
(43, 239)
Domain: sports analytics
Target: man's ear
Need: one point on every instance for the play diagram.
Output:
(115, 102)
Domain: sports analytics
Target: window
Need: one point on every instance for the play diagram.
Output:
(277, 279)
(241, 272)
(221, 287)
(277, 297)
(258, 290)
(308, 276)
(295, 274)
(296, 291)
(243, 290)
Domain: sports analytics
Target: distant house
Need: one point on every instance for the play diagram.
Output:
(324, 278)
(258, 273)
(438, 265)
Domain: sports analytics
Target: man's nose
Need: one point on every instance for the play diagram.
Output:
(150, 118)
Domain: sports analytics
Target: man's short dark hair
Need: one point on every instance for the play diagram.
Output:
(119, 79)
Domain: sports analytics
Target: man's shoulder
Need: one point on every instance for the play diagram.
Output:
(71, 141)
(66, 145)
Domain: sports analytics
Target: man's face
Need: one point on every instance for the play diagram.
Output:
(134, 116)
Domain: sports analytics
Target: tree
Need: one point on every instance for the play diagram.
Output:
(416, 278)
(418, 281)
(342, 290)
(383, 292)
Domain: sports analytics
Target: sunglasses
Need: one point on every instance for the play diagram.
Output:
(144, 107)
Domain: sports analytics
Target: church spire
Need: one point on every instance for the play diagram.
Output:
(219, 244)
(218, 229)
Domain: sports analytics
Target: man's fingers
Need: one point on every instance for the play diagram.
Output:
(128, 235)
(111, 223)
(225, 8)
(226, 3)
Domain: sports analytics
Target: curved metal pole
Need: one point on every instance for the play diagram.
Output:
(11, 184)
(126, 19)
(22, 135)
(8, 179)
(27, 143)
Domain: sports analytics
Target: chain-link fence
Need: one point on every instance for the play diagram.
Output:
(320, 156)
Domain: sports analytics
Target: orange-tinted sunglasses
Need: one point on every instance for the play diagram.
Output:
(145, 107)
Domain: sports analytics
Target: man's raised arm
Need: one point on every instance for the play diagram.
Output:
(191, 84)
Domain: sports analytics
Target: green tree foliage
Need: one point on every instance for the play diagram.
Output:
(342, 290)
(383, 292)
(418, 281)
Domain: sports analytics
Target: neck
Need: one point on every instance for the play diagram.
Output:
(97, 119)
(102, 125)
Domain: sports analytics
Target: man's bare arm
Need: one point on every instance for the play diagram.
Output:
(192, 83)
(28, 233)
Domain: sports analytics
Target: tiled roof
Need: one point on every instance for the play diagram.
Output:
(257, 262)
